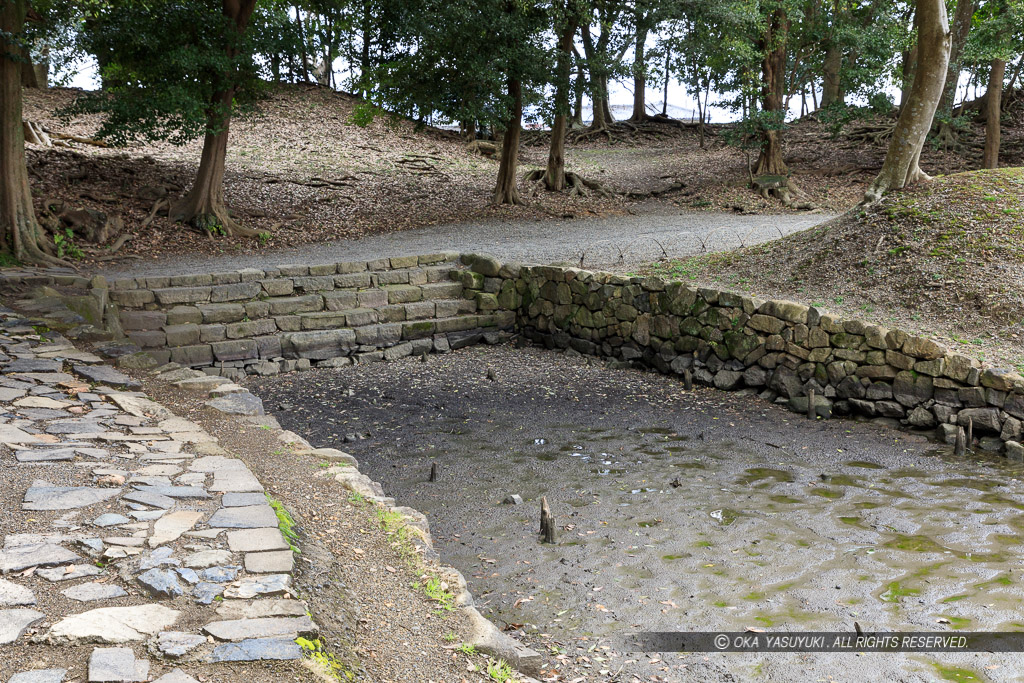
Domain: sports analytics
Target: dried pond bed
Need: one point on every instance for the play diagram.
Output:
(677, 511)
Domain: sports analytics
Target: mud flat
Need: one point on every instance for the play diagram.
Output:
(680, 511)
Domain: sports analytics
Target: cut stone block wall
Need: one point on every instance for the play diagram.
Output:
(293, 316)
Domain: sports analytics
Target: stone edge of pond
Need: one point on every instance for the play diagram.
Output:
(486, 637)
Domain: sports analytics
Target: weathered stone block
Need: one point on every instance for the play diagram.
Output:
(353, 281)
(984, 419)
(182, 335)
(278, 287)
(922, 348)
(268, 346)
(180, 315)
(251, 328)
(148, 339)
(235, 292)
(221, 313)
(297, 304)
(133, 298)
(346, 267)
(319, 344)
(212, 333)
(143, 320)
(340, 301)
(372, 298)
(182, 295)
(323, 321)
(401, 294)
(314, 284)
(256, 309)
(238, 349)
(191, 356)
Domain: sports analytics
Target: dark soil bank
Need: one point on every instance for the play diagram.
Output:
(678, 510)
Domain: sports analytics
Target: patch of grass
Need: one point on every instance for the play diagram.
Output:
(467, 649)
(499, 670)
(285, 522)
(324, 660)
(437, 591)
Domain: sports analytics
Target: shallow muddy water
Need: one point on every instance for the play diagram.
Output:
(679, 511)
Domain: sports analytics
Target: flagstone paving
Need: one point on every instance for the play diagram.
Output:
(141, 517)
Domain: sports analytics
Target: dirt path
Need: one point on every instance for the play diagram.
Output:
(614, 242)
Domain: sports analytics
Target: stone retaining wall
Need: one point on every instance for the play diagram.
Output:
(779, 349)
(295, 317)
(292, 316)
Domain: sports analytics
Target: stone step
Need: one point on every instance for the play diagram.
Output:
(250, 283)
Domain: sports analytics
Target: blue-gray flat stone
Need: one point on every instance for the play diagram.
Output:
(246, 517)
(14, 622)
(257, 649)
(51, 455)
(174, 491)
(35, 555)
(161, 583)
(104, 374)
(238, 404)
(65, 497)
(90, 592)
(152, 499)
(205, 592)
(34, 365)
(39, 676)
(234, 500)
(219, 574)
(110, 519)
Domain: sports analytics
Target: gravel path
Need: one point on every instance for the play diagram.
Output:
(618, 241)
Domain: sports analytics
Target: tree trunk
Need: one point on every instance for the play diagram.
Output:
(554, 175)
(993, 110)
(507, 189)
(773, 76)
(664, 101)
(639, 77)
(961, 27)
(204, 206)
(577, 109)
(598, 93)
(20, 234)
(831, 69)
(302, 44)
(902, 160)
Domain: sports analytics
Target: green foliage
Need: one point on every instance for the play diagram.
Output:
(363, 114)
(165, 71)
(325, 660)
(499, 670)
(285, 522)
(65, 242)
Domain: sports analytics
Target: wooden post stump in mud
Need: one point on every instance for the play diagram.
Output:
(433, 472)
(970, 433)
(810, 405)
(547, 521)
(687, 380)
(960, 444)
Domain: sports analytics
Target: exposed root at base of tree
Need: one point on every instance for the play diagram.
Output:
(575, 184)
(212, 220)
(786, 192)
(946, 137)
(594, 132)
(870, 133)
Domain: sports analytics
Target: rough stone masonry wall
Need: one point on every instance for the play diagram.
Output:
(294, 316)
(781, 349)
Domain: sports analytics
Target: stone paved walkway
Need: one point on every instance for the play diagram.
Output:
(164, 550)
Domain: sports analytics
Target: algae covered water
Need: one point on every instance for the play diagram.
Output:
(676, 510)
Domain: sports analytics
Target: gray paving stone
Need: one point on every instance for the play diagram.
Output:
(176, 676)
(236, 480)
(116, 665)
(255, 540)
(234, 500)
(10, 434)
(272, 562)
(65, 497)
(191, 576)
(162, 583)
(205, 592)
(252, 586)
(7, 395)
(49, 455)
(113, 625)
(270, 627)
(15, 595)
(151, 499)
(246, 517)
(242, 403)
(268, 607)
(86, 426)
(39, 676)
(159, 558)
(33, 365)
(219, 574)
(174, 491)
(35, 555)
(171, 526)
(62, 574)
(110, 519)
(14, 622)
(90, 592)
(176, 644)
(104, 374)
(207, 558)
(257, 649)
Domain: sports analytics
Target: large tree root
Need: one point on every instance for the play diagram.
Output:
(575, 184)
(594, 132)
(211, 220)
